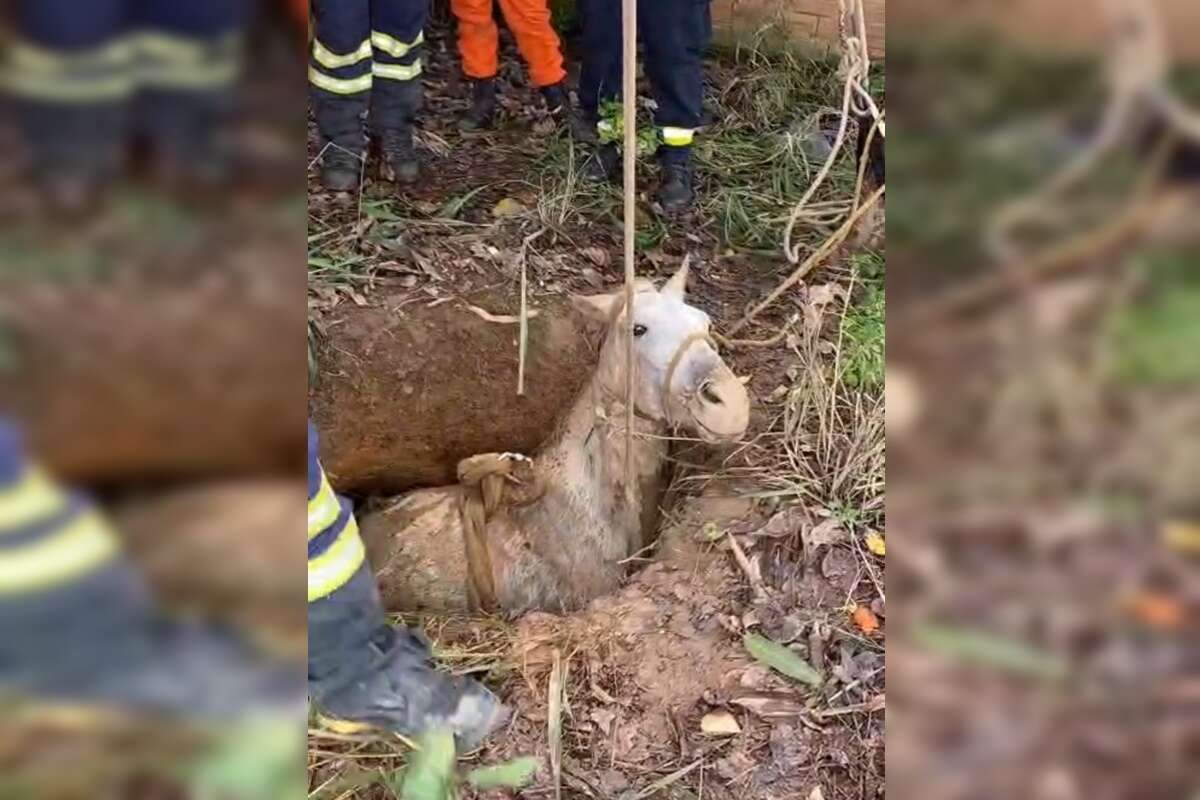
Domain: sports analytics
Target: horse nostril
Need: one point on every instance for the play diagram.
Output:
(706, 391)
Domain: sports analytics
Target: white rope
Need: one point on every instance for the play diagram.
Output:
(629, 114)
(1138, 70)
(855, 68)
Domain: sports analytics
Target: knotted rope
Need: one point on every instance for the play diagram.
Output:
(490, 481)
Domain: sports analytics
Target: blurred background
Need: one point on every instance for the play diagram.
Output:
(152, 398)
(1043, 392)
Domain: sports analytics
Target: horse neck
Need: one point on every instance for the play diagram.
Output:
(591, 441)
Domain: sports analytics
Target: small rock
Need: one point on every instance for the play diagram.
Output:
(719, 723)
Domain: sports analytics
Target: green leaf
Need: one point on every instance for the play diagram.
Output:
(430, 771)
(782, 660)
(454, 206)
(988, 649)
(381, 210)
(509, 775)
(255, 761)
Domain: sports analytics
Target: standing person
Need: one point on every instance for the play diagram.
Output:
(87, 75)
(367, 53)
(363, 673)
(675, 34)
(479, 45)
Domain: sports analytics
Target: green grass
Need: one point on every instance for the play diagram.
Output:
(1154, 341)
(751, 165)
(863, 330)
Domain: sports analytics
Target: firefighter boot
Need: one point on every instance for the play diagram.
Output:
(187, 133)
(339, 120)
(675, 192)
(76, 151)
(364, 674)
(81, 639)
(482, 114)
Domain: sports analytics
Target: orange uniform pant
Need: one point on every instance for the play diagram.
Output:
(529, 20)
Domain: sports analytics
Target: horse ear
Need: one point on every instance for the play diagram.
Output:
(677, 283)
(596, 308)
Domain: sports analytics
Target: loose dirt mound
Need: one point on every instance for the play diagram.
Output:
(403, 397)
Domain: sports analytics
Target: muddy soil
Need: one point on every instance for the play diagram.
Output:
(177, 370)
(404, 395)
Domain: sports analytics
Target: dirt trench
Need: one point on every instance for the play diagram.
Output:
(403, 395)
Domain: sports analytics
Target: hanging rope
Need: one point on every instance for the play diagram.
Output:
(629, 116)
(855, 68)
(1138, 70)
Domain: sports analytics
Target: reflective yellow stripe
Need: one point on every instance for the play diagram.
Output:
(678, 137)
(33, 499)
(338, 85)
(331, 570)
(79, 547)
(331, 60)
(184, 49)
(190, 76)
(393, 46)
(397, 72)
(27, 56)
(68, 90)
(323, 510)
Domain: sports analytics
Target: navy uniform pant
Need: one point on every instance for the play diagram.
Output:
(366, 52)
(674, 34)
(80, 69)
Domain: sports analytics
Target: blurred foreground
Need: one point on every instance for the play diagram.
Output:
(1044, 413)
(151, 329)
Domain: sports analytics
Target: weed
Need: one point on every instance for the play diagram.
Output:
(1155, 339)
(863, 327)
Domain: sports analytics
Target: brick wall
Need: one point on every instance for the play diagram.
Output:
(1063, 25)
(806, 20)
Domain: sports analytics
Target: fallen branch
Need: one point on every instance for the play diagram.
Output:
(499, 319)
(812, 261)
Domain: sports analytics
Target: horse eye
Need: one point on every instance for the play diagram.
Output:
(639, 330)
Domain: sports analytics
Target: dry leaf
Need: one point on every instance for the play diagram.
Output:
(1158, 610)
(875, 543)
(508, 207)
(771, 705)
(1182, 536)
(816, 794)
(865, 619)
(829, 531)
(597, 255)
(719, 723)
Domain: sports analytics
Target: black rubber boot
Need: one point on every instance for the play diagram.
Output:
(395, 106)
(340, 168)
(76, 152)
(675, 193)
(364, 674)
(186, 130)
(99, 647)
(400, 154)
(482, 114)
(339, 120)
(605, 163)
(558, 102)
